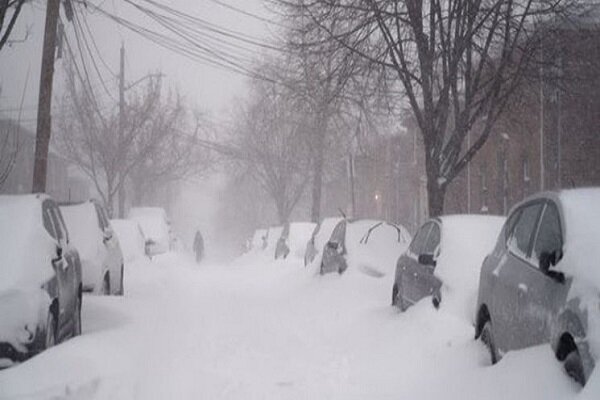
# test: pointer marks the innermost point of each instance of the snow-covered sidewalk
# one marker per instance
(274, 331)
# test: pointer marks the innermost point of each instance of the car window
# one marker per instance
(510, 224)
(60, 230)
(61, 221)
(519, 241)
(48, 220)
(417, 244)
(549, 237)
(433, 240)
(338, 233)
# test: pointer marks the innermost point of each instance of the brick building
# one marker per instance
(549, 138)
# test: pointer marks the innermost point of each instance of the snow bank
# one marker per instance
(465, 242)
(87, 237)
(155, 226)
(131, 239)
(374, 253)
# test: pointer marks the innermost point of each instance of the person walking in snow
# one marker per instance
(198, 246)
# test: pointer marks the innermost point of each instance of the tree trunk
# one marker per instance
(317, 175)
(435, 196)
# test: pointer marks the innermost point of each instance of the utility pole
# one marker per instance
(121, 194)
(44, 121)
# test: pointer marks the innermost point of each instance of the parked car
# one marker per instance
(156, 228)
(541, 283)
(370, 246)
(259, 240)
(444, 260)
(273, 235)
(131, 239)
(40, 278)
(320, 235)
(101, 256)
(293, 239)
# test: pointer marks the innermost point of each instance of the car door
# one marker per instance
(59, 262)
(512, 275)
(410, 285)
(545, 292)
(428, 282)
(73, 275)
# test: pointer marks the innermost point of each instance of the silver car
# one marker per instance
(541, 284)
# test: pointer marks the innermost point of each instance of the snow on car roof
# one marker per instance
(465, 242)
(153, 221)
(84, 231)
(374, 253)
(131, 238)
(581, 211)
(300, 233)
(26, 248)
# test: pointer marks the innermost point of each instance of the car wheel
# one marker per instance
(77, 319)
(574, 367)
(488, 339)
(50, 336)
(106, 286)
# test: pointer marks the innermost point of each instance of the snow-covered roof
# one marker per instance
(465, 242)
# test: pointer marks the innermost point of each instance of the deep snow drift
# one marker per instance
(274, 330)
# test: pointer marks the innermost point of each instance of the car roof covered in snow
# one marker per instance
(465, 242)
(131, 238)
(581, 213)
(154, 222)
(26, 248)
(374, 246)
(84, 229)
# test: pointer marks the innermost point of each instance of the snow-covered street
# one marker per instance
(273, 331)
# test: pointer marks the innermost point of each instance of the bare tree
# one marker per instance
(269, 144)
(89, 136)
(458, 63)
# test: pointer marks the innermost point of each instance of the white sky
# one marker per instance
(207, 88)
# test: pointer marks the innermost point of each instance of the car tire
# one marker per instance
(50, 332)
(488, 340)
(77, 318)
(106, 286)
(574, 367)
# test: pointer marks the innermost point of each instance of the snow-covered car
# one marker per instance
(131, 239)
(40, 278)
(258, 241)
(293, 239)
(443, 261)
(155, 226)
(101, 256)
(369, 246)
(273, 235)
(314, 246)
(541, 283)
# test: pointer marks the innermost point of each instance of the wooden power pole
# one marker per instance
(44, 121)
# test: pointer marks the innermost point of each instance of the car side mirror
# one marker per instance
(550, 259)
(108, 234)
(427, 259)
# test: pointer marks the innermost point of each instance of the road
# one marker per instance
(258, 330)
